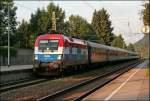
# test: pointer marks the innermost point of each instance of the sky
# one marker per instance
(124, 15)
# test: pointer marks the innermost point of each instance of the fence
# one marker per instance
(23, 57)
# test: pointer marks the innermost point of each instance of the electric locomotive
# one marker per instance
(54, 53)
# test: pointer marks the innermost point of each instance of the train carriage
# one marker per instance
(117, 54)
(98, 52)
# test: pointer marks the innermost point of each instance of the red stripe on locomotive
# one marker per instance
(63, 42)
(49, 37)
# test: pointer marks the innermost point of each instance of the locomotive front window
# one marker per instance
(53, 44)
(46, 45)
(43, 44)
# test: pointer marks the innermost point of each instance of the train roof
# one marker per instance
(62, 38)
(80, 41)
(74, 40)
(92, 44)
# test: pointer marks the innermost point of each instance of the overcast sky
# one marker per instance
(123, 14)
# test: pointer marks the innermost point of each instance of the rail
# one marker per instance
(75, 88)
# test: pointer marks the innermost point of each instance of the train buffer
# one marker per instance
(133, 85)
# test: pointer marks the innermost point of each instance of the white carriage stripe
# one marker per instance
(60, 50)
(74, 51)
(116, 90)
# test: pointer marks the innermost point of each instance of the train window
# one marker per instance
(70, 50)
(53, 44)
(84, 52)
(46, 45)
(78, 51)
(43, 44)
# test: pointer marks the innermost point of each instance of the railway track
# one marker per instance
(79, 91)
(18, 84)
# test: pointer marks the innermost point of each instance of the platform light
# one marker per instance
(7, 3)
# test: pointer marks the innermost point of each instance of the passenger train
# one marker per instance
(54, 53)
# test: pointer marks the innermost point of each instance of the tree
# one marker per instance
(31, 41)
(102, 26)
(130, 47)
(79, 27)
(60, 16)
(41, 21)
(145, 13)
(118, 42)
(142, 46)
(6, 6)
(23, 35)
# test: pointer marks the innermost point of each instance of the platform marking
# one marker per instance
(114, 92)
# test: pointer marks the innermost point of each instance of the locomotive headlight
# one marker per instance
(36, 57)
(59, 57)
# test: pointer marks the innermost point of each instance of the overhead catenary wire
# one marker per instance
(90, 6)
(25, 7)
(86, 2)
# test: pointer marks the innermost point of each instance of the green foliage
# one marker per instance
(4, 51)
(41, 21)
(7, 8)
(102, 25)
(130, 47)
(142, 46)
(146, 14)
(118, 42)
(23, 35)
(79, 27)
(76, 22)
(31, 41)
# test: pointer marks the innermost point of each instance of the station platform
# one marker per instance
(133, 85)
(13, 73)
(15, 68)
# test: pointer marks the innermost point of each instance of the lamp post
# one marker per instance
(8, 61)
(8, 38)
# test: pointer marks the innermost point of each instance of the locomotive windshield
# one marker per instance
(46, 45)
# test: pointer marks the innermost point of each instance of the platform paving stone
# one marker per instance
(137, 87)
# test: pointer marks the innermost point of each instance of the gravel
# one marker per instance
(45, 88)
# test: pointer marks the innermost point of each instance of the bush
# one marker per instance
(4, 51)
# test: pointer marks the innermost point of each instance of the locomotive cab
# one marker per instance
(48, 53)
